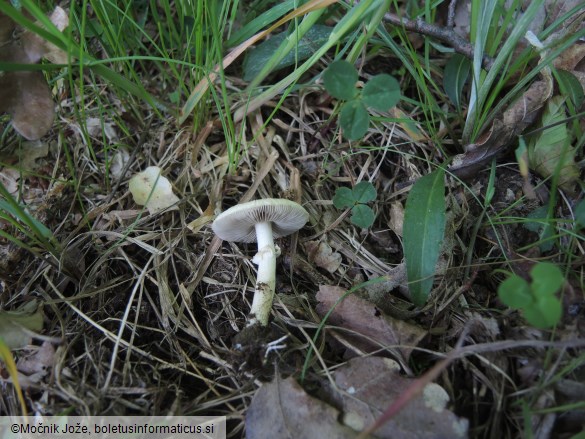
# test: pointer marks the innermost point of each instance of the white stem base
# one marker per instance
(265, 280)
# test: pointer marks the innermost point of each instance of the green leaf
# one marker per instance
(455, 77)
(515, 292)
(339, 80)
(424, 227)
(362, 216)
(16, 326)
(343, 198)
(354, 119)
(364, 192)
(541, 214)
(315, 37)
(551, 152)
(382, 92)
(545, 313)
(262, 21)
(547, 279)
(544, 228)
(570, 86)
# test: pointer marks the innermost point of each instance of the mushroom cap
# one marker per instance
(238, 222)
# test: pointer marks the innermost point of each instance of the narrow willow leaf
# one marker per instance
(424, 227)
(354, 119)
(455, 77)
(315, 37)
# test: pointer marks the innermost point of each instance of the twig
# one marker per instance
(451, 14)
(447, 35)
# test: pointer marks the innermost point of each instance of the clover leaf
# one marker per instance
(363, 192)
(381, 92)
(537, 300)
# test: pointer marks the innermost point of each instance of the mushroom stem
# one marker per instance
(265, 280)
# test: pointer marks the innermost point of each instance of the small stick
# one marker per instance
(448, 36)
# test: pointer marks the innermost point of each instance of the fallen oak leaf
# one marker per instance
(322, 255)
(282, 409)
(30, 103)
(25, 95)
(362, 317)
(366, 385)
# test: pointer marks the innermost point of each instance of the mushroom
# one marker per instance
(261, 221)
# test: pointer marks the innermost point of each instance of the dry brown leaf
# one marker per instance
(522, 113)
(96, 128)
(363, 317)
(570, 58)
(25, 94)
(32, 110)
(409, 126)
(365, 387)
(282, 409)
(9, 178)
(396, 221)
(322, 255)
(36, 47)
(368, 385)
(42, 358)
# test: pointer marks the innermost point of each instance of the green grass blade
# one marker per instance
(289, 44)
(424, 227)
(262, 21)
(477, 114)
(482, 14)
(352, 19)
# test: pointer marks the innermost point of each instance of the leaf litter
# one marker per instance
(185, 293)
(25, 94)
(361, 390)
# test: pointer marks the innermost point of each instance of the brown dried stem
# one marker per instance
(446, 35)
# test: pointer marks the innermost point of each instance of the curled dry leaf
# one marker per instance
(149, 188)
(119, 161)
(396, 221)
(322, 255)
(522, 113)
(97, 128)
(359, 315)
(39, 361)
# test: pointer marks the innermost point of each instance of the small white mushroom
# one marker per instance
(261, 221)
